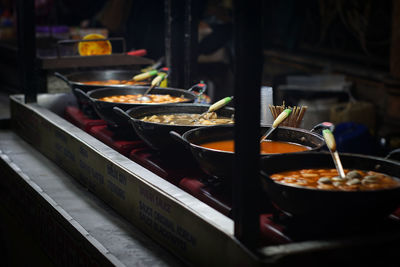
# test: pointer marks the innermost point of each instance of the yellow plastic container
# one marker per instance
(95, 47)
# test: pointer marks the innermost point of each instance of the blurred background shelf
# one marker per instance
(51, 63)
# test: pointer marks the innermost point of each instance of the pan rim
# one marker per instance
(171, 105)
(266, 175)
(316, 135)
(102, 89)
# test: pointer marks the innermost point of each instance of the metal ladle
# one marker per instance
(217, 105)
(331, 144)
(284, 114)
(144, 76)
(155, 82)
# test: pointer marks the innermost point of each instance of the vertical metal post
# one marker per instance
(191, 42)
(27, 49)
(248, 63)
(174, 47)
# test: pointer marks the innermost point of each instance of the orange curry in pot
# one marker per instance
(266, 147)
(135, 99)
(328, 179)
(115, 82)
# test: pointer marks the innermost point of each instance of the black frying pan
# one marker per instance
(156, 135)
(330, 208)
(219, 163)
(78, 79)
(105, 109)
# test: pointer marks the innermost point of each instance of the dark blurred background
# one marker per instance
(340, 58)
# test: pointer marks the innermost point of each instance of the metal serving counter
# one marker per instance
(90, 231)
(185, 225)
(73, 226)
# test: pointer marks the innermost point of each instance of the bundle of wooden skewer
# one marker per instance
(295, 117)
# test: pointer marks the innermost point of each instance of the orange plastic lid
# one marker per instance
(94, 47)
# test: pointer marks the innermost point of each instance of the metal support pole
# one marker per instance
(174, 44)
(248, 63)
(191, 42)
(27, 49)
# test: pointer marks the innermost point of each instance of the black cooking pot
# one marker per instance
(328, 208)
(219, 163)
(156, 135)
(105, 109)
(78, 79)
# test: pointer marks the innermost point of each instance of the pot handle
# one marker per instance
(323, 125)
(393, 152)
(84, 95)
(201, 86)
(62, 77)
(122, 113)
(179, 138)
